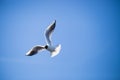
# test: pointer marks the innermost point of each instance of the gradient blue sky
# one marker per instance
(88, 30)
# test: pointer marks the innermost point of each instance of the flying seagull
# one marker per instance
(54, 50)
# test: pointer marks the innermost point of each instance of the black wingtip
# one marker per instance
(54, 23)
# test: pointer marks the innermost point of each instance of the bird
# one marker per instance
(54, 50)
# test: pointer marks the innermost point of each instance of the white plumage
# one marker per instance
(54, 50)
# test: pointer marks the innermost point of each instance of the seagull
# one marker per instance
(54, 50)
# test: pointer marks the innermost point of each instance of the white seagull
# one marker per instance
(54, 50)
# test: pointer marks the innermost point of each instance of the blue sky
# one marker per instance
(88, 30)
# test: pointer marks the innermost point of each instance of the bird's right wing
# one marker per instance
(49, 31)
(35, 50)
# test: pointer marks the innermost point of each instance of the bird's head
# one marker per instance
(46, 46)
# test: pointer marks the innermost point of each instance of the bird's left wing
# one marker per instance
(35, 50)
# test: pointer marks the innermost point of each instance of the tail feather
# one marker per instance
(56, 51)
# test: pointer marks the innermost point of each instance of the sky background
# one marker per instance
(88, 30)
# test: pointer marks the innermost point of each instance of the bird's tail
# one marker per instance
(56, 51)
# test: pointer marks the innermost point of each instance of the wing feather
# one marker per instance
(49, 31)
(34, 50)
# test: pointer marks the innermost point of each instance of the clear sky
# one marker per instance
(88, 30)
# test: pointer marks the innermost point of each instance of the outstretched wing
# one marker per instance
(34, 50)
(49, 31)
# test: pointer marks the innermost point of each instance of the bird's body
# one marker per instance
(54, 50)
(51, 48)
